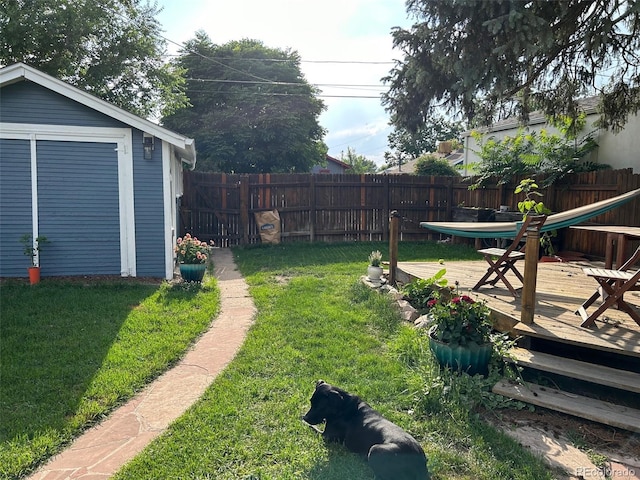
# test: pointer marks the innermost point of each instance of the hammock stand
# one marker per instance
(510, 229)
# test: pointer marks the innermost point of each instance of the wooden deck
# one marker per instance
(560, 290)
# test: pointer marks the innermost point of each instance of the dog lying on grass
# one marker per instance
(392, 453)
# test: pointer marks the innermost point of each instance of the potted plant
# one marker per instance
(32, 250)
(530, 206)
(374, 270)
(460, 333)
(421, 292)
(192, 255)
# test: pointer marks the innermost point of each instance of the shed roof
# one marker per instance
(185, 147)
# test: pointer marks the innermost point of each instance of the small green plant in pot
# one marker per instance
(32, 250)
(374, 270)
(530, 206)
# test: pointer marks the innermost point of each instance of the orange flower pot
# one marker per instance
(34, 275)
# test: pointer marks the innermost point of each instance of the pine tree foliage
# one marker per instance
(493, 59)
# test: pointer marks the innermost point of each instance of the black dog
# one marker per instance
(392, 453)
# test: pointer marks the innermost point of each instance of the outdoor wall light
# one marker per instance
(148, 144)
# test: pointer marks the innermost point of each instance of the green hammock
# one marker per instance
(511, 229)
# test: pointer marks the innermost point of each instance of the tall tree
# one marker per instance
(359, 163)
(251, 108)
(491, 59)
(407, 145)
(110, 48)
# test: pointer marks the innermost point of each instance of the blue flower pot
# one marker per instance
(470, 359)
(192, 272)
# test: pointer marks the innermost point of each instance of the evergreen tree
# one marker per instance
(492, 59)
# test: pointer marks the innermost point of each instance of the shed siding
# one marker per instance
(15, 205)
(26, 102)
(81, 209)
(78, 206)
(149, 205)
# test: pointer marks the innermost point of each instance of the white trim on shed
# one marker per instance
(122, 138)
(185, 147)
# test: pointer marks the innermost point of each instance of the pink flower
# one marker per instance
(432, 303)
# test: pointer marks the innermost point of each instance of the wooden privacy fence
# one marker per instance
(330, 208)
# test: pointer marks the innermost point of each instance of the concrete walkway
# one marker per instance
(102, 450)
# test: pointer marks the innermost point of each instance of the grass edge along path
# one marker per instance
(72, 351)
(316, 320)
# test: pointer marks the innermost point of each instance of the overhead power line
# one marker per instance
(273, 94)
(248, 74)
(281, 60)
(257, 82)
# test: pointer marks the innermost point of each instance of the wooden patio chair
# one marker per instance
(612, 286)
(507, 257)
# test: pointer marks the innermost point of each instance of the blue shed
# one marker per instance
(100, 183)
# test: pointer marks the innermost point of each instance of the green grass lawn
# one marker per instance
(71, 352)
(316, 320)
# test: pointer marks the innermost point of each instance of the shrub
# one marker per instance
(432, 165)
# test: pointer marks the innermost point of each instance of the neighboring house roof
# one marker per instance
(338, 166)
(588, 104)
(340, 163)
(406, 167)
(185, 147)
(453, 158)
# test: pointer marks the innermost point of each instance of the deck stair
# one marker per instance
(570, 403)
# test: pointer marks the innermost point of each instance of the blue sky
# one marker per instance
(331, 37)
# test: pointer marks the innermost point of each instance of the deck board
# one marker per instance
(589, 372)
(608, 413)
(561, 288)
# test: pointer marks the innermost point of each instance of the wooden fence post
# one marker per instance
(244, 208)
(312, 208)
(365, 230)
(530, 276)
(385, 208)
(394, 221)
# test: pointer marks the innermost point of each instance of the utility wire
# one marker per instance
(256, 77)
(280, 60)
(275, 94)
(261, 79)
(256, 82)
